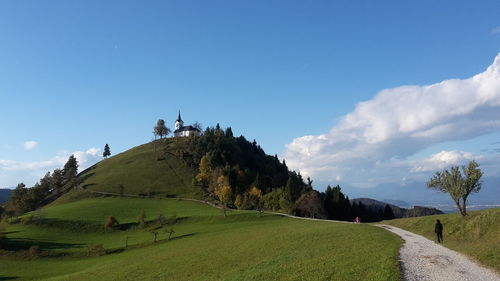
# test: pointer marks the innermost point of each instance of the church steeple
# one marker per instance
(179, 123)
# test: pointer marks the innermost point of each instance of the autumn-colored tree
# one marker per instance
(205, 169)
(223, 190)
(239, 201)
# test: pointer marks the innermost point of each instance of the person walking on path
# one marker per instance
(438, 229)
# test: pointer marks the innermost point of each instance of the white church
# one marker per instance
(184, 131)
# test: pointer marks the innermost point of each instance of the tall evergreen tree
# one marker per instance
(388, 213)
(70, 169)
(107, 151)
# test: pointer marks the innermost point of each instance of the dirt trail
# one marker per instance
(425, 260)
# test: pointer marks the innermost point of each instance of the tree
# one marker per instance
(107, 151)
(70, 169)
(224, 192)
(57, 180)
(310, 205)
(205, 170)
(388, 213)
(160, 129)
(197, 125)
(459, 184)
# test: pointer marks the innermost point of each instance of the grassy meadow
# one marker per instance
(205, 245)
(476, 235)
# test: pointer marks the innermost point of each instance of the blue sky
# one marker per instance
(75, 75)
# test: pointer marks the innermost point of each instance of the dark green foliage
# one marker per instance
(106, 152)
(244, 163)
(49, 188)
(276, 200)
(337, 205)
(70, 169)
(388, 214)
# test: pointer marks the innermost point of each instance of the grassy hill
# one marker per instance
(205, 246)
(150, 168)
(476, 235)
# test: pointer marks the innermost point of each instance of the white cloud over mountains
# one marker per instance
(30, 172)
(371, 145)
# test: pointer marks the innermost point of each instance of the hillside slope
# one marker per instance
(149, 169)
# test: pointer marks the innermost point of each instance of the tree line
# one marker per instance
(46, 190)
(239, 174)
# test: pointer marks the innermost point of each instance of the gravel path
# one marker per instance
(425, 260)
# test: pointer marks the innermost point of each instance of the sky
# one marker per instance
(358, 92)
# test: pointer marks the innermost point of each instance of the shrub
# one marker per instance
(96, 250)
(111, 222)
(141, 220)
(34, 251)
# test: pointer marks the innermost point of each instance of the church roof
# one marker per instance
(179, 117)
(186, 128)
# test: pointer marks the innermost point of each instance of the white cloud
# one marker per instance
(496, 30)
(12, 172)
(442, 160)
(30, 145)
(372, 144)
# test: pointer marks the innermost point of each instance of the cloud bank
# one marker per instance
(373, 144)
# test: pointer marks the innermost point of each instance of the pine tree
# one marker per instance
(70, 169)
(107, 151)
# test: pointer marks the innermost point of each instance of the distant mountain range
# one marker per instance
(417, 193)
(416, 211)
(4, 195)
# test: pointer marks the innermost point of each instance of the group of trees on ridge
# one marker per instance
(46, 190)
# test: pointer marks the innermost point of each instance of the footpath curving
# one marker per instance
(425, 260)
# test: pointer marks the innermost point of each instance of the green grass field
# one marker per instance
(140, 171)
(206, 246)
(476, 235)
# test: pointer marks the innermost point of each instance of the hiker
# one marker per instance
(438, 228)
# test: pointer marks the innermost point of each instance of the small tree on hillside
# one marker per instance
(459, 184)
(107, 151)
(160, 129)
